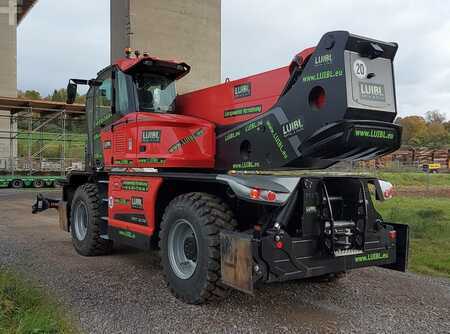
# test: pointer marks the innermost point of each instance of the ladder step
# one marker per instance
(104, 236)
(104, 218)
(103, 181)
(105, 200)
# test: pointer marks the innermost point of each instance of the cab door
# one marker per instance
(115, 121)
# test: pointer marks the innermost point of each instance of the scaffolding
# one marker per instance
(41, 137)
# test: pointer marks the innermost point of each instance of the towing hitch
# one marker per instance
(43, 203)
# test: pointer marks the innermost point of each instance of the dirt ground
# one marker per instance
(125, 292)
(423, 191)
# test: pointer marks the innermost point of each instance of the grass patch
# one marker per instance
(416, 179)
(429, 220)
(25, 310)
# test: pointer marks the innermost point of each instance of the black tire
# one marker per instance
(38, 183)
(86, 199)
(17, 184)
(207, 215)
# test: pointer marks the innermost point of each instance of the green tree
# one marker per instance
(60, 95)
(437, 135)
(29, 94)
(414, 130)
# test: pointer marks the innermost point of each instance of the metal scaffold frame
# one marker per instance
(25, 134)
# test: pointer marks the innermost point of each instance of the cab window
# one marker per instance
(156, 93)
(103, 101)
(123, 83)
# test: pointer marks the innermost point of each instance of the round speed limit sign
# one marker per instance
(360, 69)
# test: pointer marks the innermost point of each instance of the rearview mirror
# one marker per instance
(71, 93)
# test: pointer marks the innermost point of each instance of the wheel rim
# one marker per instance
(80, 221)
(17, 184)
(182, 249)
(38, 183)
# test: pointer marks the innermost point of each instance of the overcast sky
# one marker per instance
(68, 38)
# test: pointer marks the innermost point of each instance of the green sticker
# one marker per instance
(121, 201)
(278, 142)
(374, 133)
(160, 161)
(135, 185)
(323, 75)
(127, 234)
(186, 140)
(103, 119)
(122, 162)
(253, 125)
(242, 111)
(372, 257)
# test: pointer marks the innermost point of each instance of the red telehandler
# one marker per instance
(194, 175)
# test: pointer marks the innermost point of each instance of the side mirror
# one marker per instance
(71, 93)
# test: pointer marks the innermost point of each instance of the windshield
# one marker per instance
(155, 93)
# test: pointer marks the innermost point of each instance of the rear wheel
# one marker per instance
(85, 222)
(190, 246)
(16, 184)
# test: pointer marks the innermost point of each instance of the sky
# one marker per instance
(70, 38)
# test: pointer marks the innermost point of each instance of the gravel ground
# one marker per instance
(125, 293)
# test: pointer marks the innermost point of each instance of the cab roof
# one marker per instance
(170, 68)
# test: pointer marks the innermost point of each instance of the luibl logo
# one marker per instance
(369, 91)
(291, 128)
(323, 59)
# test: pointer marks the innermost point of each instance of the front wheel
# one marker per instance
(85, 222)
(190, 246)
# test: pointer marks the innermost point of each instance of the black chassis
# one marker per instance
(327, 225)
(296, 238)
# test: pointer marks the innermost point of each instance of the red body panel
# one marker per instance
(212, 103)
(124, 193)
(159, 140)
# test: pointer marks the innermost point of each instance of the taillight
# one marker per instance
(255, 193)
(271, 196)
(392, 235)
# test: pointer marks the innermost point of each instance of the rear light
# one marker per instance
(271, 196)
(279, 244)
(392, 235)
(255, 193)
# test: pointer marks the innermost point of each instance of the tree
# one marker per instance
(437, 135)
(60, 95)
(434, 116)
(29, 94)
(414, 130)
